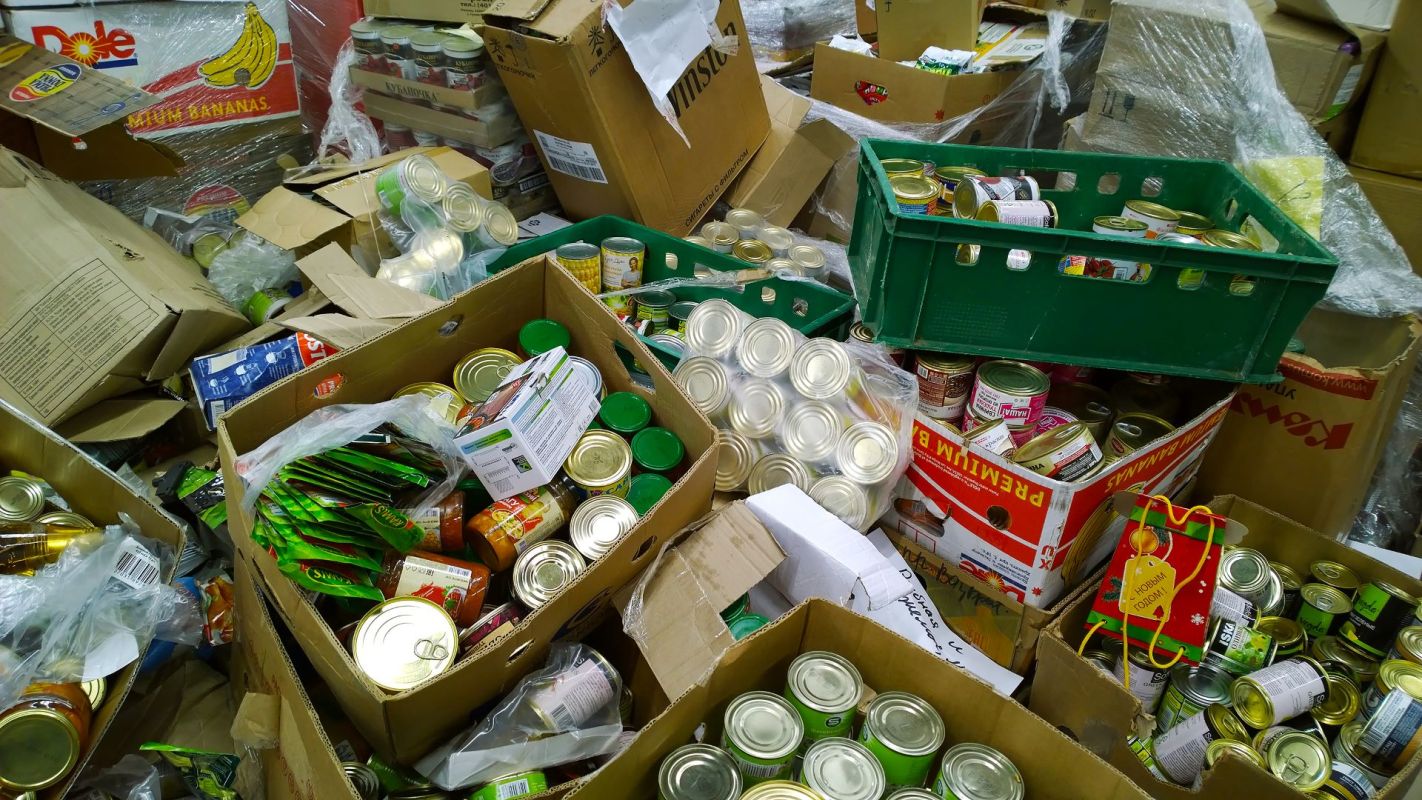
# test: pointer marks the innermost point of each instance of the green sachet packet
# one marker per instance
(336, 580)
(398, 530)
(379, 467)
(209, 776)
(294, 546)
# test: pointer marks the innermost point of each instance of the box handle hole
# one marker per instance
(644, 549)
(1110, 183)
(1019, 260)
(800, 306)
(519, 651)
(451, 325)
(329, 385)
(1152, 186)
(968, 254)
(767, 296)
(1241, 285)
(999, 518)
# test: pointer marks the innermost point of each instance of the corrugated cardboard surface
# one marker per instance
(1398, 201)
(1390, 135)
(1053, 767)
(1313, 59)
(907, 27)
(911, 95)
(1072, 693)
(403, 726)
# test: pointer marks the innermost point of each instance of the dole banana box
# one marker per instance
(215, 64)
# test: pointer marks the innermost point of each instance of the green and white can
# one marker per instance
(825, 689)
(843, 769)
(1191, 691)
(904, 732)
(978, 772)
(508, 787)
(417, 176)
(762, 732)
(1238, 649)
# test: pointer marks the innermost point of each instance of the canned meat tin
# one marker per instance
(904, 732)
(894, 167)
(403, 642)
(597, 524)
(915, 194)
(1191, 691)
(478, 374)
(778, 239)
(1147, 683)
(824, 688)
(973, 771)
(973, 191)
(1090, 405)
(821, 369)
(811, 431)
(1379, 612)
(705, 381)
(1157, 218)
(1323, 609)
(698, 772)
(714, 327)
(1065, 453)
(1238, 649)
(737, 458)
(842, 769)
(1010, 390)
(1393, 675)
(1300, 760)
(756, 408)
(993, 435)
(843, 498)
(1228, 605)
(1180, 751)
(1336, 575)
(868, 452)
(762, 733)
(600, 463)
(1279, 692)
(943, 384)
(809, 258)
(544, 570)
(778, 469)
(766, 348)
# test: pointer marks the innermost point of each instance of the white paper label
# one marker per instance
(136, 567)
(1346, 88)
(571, 158)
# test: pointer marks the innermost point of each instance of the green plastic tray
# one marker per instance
(914, 292)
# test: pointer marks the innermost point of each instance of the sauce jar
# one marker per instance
(42, 736)
(457, 586)
(510, 526)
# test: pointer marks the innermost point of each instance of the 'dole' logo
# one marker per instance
(1314, 432)
(104, 48)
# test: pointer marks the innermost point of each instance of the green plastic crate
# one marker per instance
(914, 292)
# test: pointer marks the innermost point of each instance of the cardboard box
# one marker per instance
(792, 163)
(1390, 135)
(161, 46)
(887, 91)
(491, 132)
(404, 726)
(1072, 693)
(603, 143)
(971, 711)
(461, 11)
(1323, 64)
(95, 304)
(907, 27)
(1082, 9)
(1030, 536)
(1338, 133)
(1307, 446)
(429, 94)
(97, 494)
(1398, 202)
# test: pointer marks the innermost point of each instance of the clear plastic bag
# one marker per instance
(781, 31)
(565, 712)
(250, 265)
(1393, 508)
(132, 778)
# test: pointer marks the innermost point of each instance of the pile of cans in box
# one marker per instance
(801, 745)
(747, 236)
(1316, 678)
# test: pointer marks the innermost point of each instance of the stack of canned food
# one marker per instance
(36, 524)
(416, 51)
(747, 236)
(797, 411)
(1290, 664)
(618, 265)
(339, 523)
(800, 744)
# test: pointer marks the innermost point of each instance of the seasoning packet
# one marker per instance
(331, 579)
(209, 776)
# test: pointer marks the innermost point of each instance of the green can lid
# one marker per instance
(657, 449)
(541, 335)
(625, 413)
(737, 609)
(645, 490)
(745, 625)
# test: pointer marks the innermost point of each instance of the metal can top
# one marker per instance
(459, 44)
(820, 369)
(1287, 575)
(1153, 210)
(1051, 441)
(577, 251)
(1225, 723)
(420, 177)
(67, 519)
(463, 209)
(1217, 749)
(366, 29)
(1228, 239)
(1326, 598)
(1252, 701)
(682, 309)
(905, 724)
(781, 790)
(776, 238)
(1014, 378)
(714, 327)
(657, 449)
(1400, 674)
(598, 522)
(538, 336)
(670, 341)
(843, 769)
(698, 772)
(1203, 685)
(982, 773)
(859, 333)
(824, 681)
(478, 374)
(1284, 630)
(901, 166)
(720, 233)
(599, 459)
(1122, 224)
(775, 470)
(427, 40)
(622, 245)
(868, 452)
(1245, 571)
(811, 431)
(646, 490)
(49, 743)
(444, 400)
(500, 224)
(948, 172)
(1139, 429)
(843, 498)
(1337, 649)
(1335, 575)
(543, 570)
(1193, 224)
(744, 219)
(944, 362)
(589, 372)
(697, 239)
(913, 187)
(912, 793)
(763, 725)
(657, 299)
(1395, 591)
(96, 690)
(1299, 759)
(21, 499)
(756, 408)
(1409, 642)
(363, 779)
(625, 412)
(752, 251)
(404, 642)
(1342, 701)
(1272, 603)
(397, 33)
(809, 257)
(766, 347)
(737, 458)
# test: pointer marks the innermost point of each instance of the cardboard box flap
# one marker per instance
(338, 330)
(786, 108)
(195, 331)
(322, 174)
(340, 278)
(1344, 344)
(311, 301)
(526, 10)
(107, 153)
(61, 94)
(290, 220)
(119, 419)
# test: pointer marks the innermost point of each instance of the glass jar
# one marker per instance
(510, 526)
(457, 586)
(42, 736)
(27, 546)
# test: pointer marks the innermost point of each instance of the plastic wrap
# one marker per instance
(132, 778)
(565, 712)
(251, 266)
(781, 31)
(1392, 510)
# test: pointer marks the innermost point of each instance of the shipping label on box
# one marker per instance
(213, 63)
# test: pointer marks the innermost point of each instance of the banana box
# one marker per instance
(215, 64)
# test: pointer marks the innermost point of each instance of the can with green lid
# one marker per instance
(657, 450)
(625, 413)
(736, 610)
(746, 624)
(904, 732)
(539, 336)
(646, 489)
(824, 688)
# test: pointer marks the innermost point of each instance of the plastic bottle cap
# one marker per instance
(646, 490)
(541, 335)
(625, 413)
(657, 449)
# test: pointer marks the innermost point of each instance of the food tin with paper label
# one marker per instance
(1347, 749)
(1393, 675)
(1191, 691)
(824, 689)
(1031, 213)
(1157, 218)
(1237, 649)
(1379, 612)
(1322, 609)
(1288, 635)
(842, 769)
(1347, 782)
(1299, 760)
(577, 694)
(762, 733)
(904, 732)
(781, 790)
(1226, 604)
(1180, 751)
(944, 382)
(1010, 390)
(1336, 575)
(403, 642)
(1340, 706)
(1147, 682)
(543, 571)
(973, 191)
(511, 787)
(973, 771)
(698, 772)
(1279, 692)
(1065, 453)
(992, 435)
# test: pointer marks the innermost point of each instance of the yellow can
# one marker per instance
(584, 261)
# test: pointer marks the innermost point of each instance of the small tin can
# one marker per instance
(1347, 749)
(1103, 659)
(600, 463)
(843, 498)
(1124, 227)
(1336, 575)
(510, 787)
(778, 469)
(1237, 649)
(679, 313)
(824, 688)
(1180, 751)
(948, 178)
(721, 236)
(597, 523)
(1397, 674)
(1011, 390)
(622, 261)
(1191, 691)
(1288, 634)
(705, 381)
(766, 348)
(1065, 453)
(698, 772)
(756, 408)
(762, 734)
(868, 452)
(544, 570)
(584, 261)
(1340, 706)
(1053, 417)
(1219, 748)
(778, 239)
(402, 642)
(714, 328)
(1408, 644)
(444, 401)
(1029, 213)
(97, 690)
(902, 166)
(365, 41)
(821, 369)
(1278, 692)
(781, 790)
(809, 258)
(1143, 748)
(737, 457)
(971, 771)
(588, 373)
(363, 779)
(415, 177)
(1147, 682)
(1088, 404)
(1192, 224)
(944, 382)
(1323, 609)
(399, 55)
(992, 435)
(576, 694)
(1292, 583)
(427, 57)
(1379, 612)
(811, 431)
(1347, 782)
(478, 374)
(1138, 393)
(1299, 760)
(1157, 218)
(842, 769)
(752, 251)
(973, 191)
(746, 222)
(1228, 605)
(464, 63)
(487, 625)
(1331, 650)
(654, 307)
(21, 499)
(904, 732)
(1131, 432)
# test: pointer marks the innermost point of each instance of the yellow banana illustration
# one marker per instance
(250, 61)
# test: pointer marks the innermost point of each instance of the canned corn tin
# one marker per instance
(746, 222)
(944, 382)
(762, 733)
(1065, 453)
(756, 408)
(478, 374)
(766, 347)
(1397, 674)
(600, 463)
(721, 235)
(824, 688)
(1157, 218)
(1279, 692)
(1336, 575)
(509, 787)
(698, 772)
(948, 178)
(21, 499)
(868, 452)
(1347, 749)
(705, 381)
(821, 369)
(737, 457)
(543, 571)
(811, 431)
(1237, 649)
(1288, 634)
(1147, 682)
(752, 251)
(1299, 760)
(1090, 405)
(778, 469)
(1029, 213)
(842, 769)
(597, 524)
(584, 261)
(1131, 432)
(1191, 691)
(973, 191)
(714, 327)
(904, 732)
(1408, 645)
(1379, 612)
(1180, 751)
(843, 498)
(1323, 609)
(1340, 706)
(1228, 605)
(1010, 390)
(973, 771)
(781, 790)
(403, 642)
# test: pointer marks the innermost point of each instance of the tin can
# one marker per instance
(598, 523)
(1379, 612)
(600, 463)
(778, 239)
(1157, 218)
(1226, 604)
(1029, 213)
(416, 176)
(948, 178)
(1394, 731)
(1103, 659)
(1347, 782)
(1090, 405)
(399, 55)
(904, 732)
(705, 381)
(678, 315)
(944, 382)
(737, 457)
(1065, 453)
(365, 41)
(1219, 748)
(775, 470)
(1053, 417)
(1279, 692)
(752, 251)
(824, 688)
(821, 369)
(625, 413)
(842, 769)
(1192, 224)
(1011, 390)
(464, 63)
(509, 787)
(1408, 645)
(812, 431)
(843, 498)
(868, 452)
(538, 336)
(698, 772)
(1147, 682)
(1142, 749)
(992, 435)
(914, 194)
(427, 57)
(1180, 751)
(1292, 584)
(21, 499)
(762, 733)
(714, 328)
(1191, 691)
(970, 771)
(756, 408)
(810, 258)
(576, 694)
(766, 348)
(746, 222)
(1131, 432)
(584, 261)
(1237, 649)
(1124, 227)
(363, 779)
(1299, 760)
(1342, 704)
(492, 621)
(1397, 674)
(543, 570)
(781, 790)
(902, 166)
(1331, 650)
(587, 372)
(721, 235)
(973, 191)
(1347, 749)
(1135, 395)
(1288, 634)
(1323, 609)
(654, 307)
(403, 642)
(397, 137)
(860, 333)
(1336, 575)
(646, 491)
(622, 261)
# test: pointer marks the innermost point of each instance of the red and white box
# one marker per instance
(215, 63)
(1018, 531)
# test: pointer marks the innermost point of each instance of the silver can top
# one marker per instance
(775, 470)
(982, 773)
(698, 772)
(704, 380)
(714, 327)
(598, 523)
(737, 458)
(905, 723)
(543, 571)
(843, 498)
(825, 682)
(868, 452)
(766, 347)
(811, 431)
(821, 369)
(763, 725)
(843, 769)
(1246, 572)
(756, 408)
